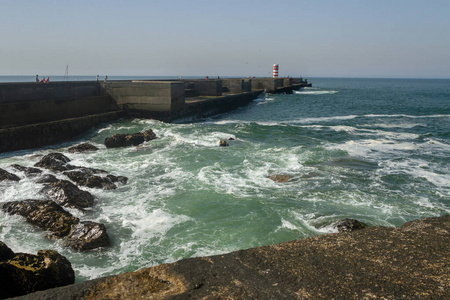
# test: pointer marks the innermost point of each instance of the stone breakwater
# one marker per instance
(409, 262)
(34, 115)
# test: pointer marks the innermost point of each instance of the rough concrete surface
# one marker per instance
(409, 262)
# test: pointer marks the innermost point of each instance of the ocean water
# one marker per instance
(377, 150)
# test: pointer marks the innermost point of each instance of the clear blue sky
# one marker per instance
(352, 38)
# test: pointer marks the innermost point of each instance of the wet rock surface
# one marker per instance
(89, 180)
(22, 273)
(127, 140)
(349, 225)
(88, 235)
(29, 171)
(121, 179)
(65, 193)
(409, 262)
(280, 177)
(7, 176)
(48, 215)
(5, 252)
(47, 178)
(149, 135)
(124, 140)
(84, 147)
(223, 143)
(44, 214)
(55, 162)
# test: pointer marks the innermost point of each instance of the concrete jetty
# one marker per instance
(36, 114)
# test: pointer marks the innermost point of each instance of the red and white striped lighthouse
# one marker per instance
(275, 71)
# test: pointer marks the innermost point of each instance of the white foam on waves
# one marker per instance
(312, 91)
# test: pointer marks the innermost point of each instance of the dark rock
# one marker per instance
(149, 135)
(91, 171)
(5, 252)
(26, 273)
(231, 138)
(49, 216)
(349, 225)
(55, 156)
(223, 143)
(121, 179)
(82, 148)
(67, 194)
(88, 235)
(56, 162)
(29, 171)
(92, 181)
(280, 177)
(410, 262)
(124, 140)
(5, 175)
(47, 178)
(44, 214)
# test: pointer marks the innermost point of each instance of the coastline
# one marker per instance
(410, 261)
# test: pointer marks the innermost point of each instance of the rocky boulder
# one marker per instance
(88, 235)
(47, 178)
(5, 252)
(27, 273)
(280, 177)
(84, 147)
(55, 162)
(49, 216)
(149, 135)
(29, 171)
(65, 193)
(347, 225)
(121, 179)
(86, 179)
(44, 214)
(124, 140)
(223, 143)
(5, 175)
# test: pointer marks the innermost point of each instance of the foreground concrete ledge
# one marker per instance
(409, 262)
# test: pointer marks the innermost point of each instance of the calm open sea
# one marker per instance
(377, 150)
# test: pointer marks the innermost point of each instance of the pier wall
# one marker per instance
(234, 85)
(156, 96)
(48, 133)
(202, 87)
(219, 105)
(28, 103)
(38, 114)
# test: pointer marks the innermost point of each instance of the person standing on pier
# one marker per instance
(37, 78)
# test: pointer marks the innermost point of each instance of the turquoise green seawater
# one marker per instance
(377, 150)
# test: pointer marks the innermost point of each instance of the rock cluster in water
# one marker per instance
(22, 273)
(49, 215)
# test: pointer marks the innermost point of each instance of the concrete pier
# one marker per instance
(45, 106)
